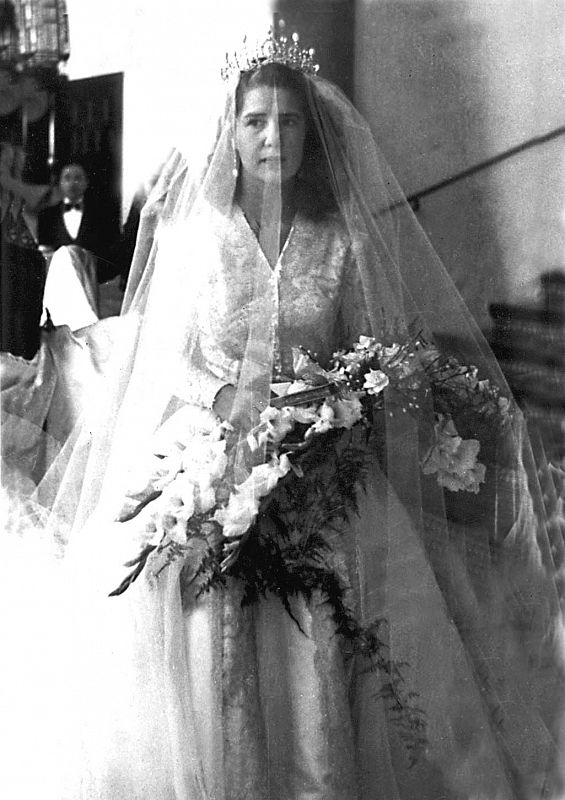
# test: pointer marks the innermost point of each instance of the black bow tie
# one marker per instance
(68, 206)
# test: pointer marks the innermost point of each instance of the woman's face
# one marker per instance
(270, 131)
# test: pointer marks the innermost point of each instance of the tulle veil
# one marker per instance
(466, 583)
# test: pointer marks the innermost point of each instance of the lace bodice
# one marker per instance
(311, 298)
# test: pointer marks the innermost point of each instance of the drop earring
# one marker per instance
(235, 170)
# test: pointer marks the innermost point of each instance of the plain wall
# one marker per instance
(446, 84)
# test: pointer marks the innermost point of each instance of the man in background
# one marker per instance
(82, 220)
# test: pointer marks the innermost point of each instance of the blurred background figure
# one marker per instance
(22, 264)
(81, 219)
(80, 234)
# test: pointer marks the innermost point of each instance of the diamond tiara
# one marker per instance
(276, 49)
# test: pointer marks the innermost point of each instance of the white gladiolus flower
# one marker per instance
(454, 459)
(347, 412)
(304, 414)
(375, 381)
(238, 515)
(205, 500)
(386, 354)
(205, 456)
(243, 504)
(324, 422)
(278, 421)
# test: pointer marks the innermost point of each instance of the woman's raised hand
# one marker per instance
(245, 418)
(223, 402)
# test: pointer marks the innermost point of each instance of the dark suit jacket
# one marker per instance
(98, 233)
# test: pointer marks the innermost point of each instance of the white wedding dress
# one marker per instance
(152, 696)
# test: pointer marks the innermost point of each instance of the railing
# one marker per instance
(414, 199)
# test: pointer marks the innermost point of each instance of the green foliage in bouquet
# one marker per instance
(290, 550)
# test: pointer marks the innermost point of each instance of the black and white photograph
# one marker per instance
(282, 384)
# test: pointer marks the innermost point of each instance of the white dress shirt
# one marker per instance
(64, 295)
(72, 219)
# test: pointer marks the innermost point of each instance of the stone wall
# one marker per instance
(446, 84)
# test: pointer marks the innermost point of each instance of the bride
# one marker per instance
(285, 233)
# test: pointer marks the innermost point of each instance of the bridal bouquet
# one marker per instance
(274, 527)
(189, 504)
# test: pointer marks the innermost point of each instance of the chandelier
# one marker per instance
(33, 34)
(34, 45)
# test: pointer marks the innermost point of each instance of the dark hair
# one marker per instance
(316, 196)
(72, 163)
(274, 75)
